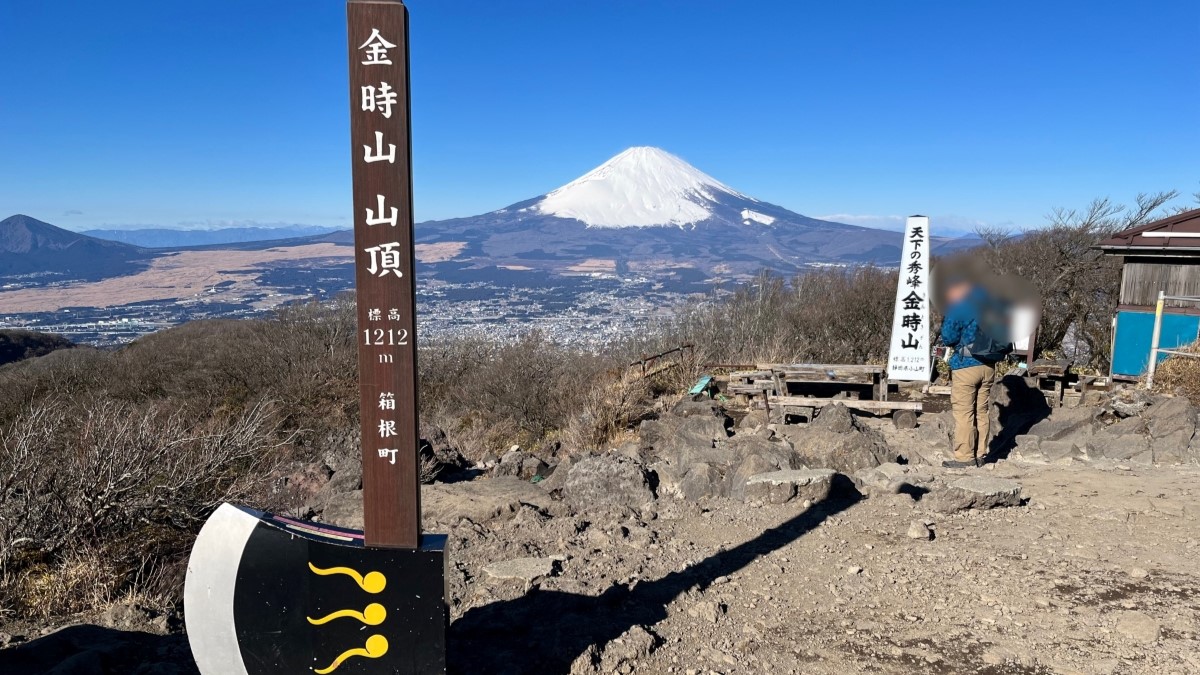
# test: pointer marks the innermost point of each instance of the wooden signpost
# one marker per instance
(269, 594)
(909, 357)
(380, 142)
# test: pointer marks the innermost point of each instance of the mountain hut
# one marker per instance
(1162, 256)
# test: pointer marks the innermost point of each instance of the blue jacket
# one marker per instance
(959, 327)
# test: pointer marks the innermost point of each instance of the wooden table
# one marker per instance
(774, 378)
(1053, 380)
(770, 383)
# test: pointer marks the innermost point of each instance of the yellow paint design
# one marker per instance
(376, 646)
(372, 615)
(373, 582)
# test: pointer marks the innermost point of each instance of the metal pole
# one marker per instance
(1154, 337)
(1112, 346)
(380, 142)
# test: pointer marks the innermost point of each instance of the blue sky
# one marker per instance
(235, 111)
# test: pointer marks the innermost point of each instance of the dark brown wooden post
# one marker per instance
(383, 237)
(1031, 352)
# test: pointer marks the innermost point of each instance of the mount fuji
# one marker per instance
(648, 187)
(646, 211)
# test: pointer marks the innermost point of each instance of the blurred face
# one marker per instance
(957, 291)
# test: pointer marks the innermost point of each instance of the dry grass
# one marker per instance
(592, 265)
(1180, 375)
(439, 252)
(86, 578)
(474, 435)
(182, 275)
(652, 264)
(609, 413)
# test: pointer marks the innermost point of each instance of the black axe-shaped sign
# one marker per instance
(268, 594)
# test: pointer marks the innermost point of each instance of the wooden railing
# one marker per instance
(646, 361)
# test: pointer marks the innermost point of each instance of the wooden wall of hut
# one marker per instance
(1142, 279)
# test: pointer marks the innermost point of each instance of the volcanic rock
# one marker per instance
(779, 487)
(978, 492)
(838, 443)
(523, 569)
(480, 500)
(702, 481)
(608, 480)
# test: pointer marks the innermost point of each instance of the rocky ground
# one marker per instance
(720, 542)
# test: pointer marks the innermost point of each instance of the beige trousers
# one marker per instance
(971, 403)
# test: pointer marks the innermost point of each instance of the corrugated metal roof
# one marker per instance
(1177, 233)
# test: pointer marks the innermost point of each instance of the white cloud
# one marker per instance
(211, 224)
(220, 224)
(225, 223)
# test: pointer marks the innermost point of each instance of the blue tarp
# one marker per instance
(1131, 344)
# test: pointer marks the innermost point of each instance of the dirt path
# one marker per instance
(1096, 574)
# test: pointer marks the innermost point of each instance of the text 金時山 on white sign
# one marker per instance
(909, 356)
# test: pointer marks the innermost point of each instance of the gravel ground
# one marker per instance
(1095, 574)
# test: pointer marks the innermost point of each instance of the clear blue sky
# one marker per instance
(215, 111)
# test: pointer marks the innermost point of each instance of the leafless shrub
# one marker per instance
(318, 355)
(472, 434)
(429, 470)
(488, 395)
(1078, 284)
(825, 315)
(25, 383)
(670, 366)
(108, 475)
(608, 410)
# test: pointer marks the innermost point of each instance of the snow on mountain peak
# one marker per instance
(641, 187)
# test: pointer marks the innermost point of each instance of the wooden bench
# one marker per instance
(769, 383)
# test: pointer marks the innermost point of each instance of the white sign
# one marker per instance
(1024, 321)
(909, 356)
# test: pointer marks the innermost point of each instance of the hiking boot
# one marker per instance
(958, 464)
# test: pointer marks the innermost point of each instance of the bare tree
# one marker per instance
(823, 315)
(1078, 284)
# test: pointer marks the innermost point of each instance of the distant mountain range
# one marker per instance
(644, 213)
(161, 237)
(29, 246)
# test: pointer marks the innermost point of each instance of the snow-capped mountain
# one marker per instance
(647, 187)
(647, 210)
(640, 187)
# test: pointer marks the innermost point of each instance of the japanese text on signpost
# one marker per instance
(909, 356)
(380, 150)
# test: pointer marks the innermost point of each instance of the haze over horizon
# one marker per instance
(237, 116)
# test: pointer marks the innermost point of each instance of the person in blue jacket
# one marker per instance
(970, 378)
